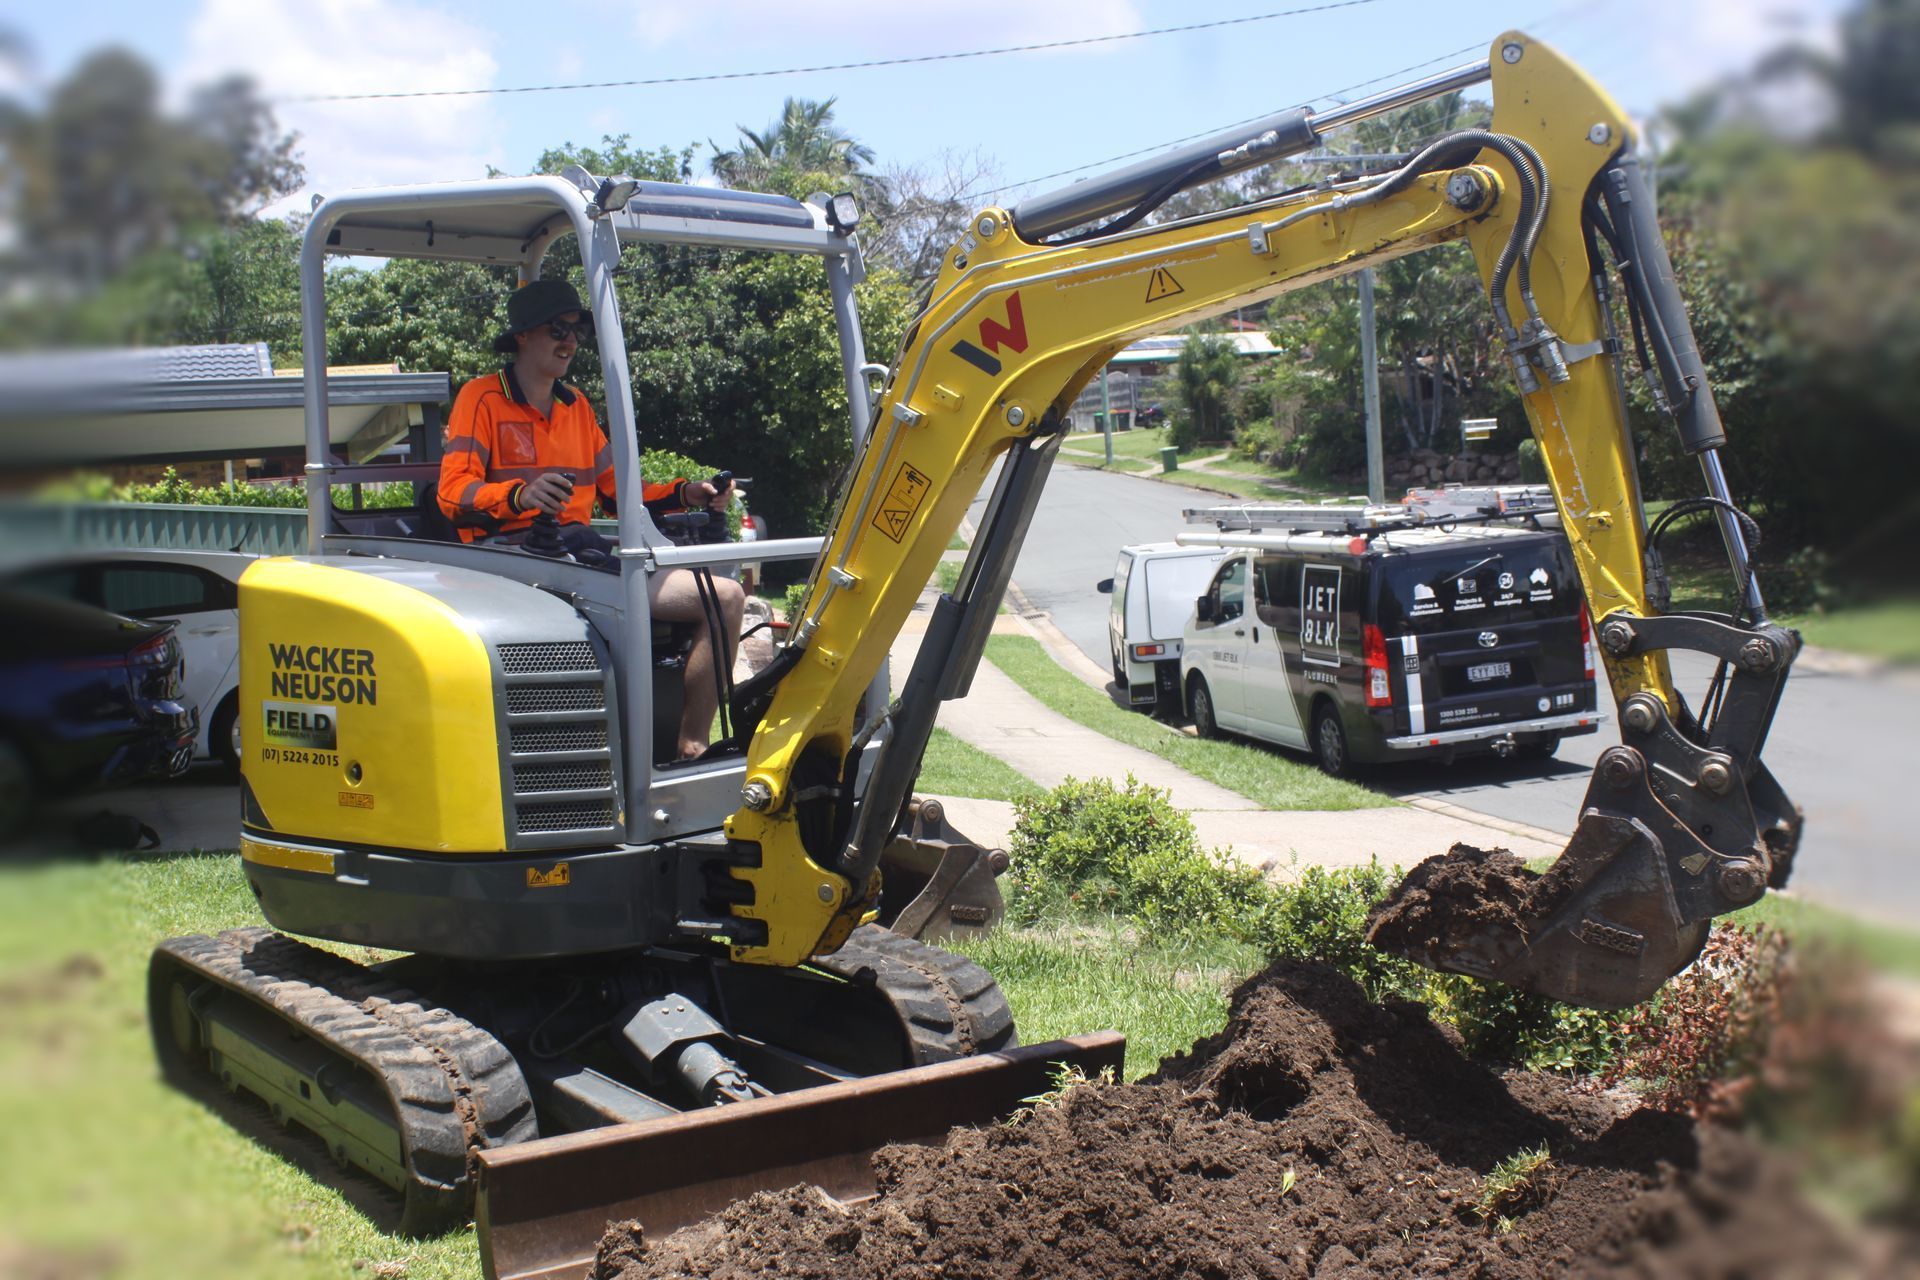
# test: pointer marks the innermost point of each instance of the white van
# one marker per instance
(1366, 646)
(1153, 588)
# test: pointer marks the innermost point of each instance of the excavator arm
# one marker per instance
(1682, 821)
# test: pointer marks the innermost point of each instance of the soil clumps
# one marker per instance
(1318, 1135)
(1464, 893)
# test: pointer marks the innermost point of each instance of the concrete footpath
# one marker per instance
(1003, 720)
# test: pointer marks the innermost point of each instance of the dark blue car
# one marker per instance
(87, 699)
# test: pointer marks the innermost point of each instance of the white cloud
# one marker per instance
(1707, 40)
(926, 26)
(297, 47)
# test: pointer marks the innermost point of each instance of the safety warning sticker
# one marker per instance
(562, 874)
(1161, 284)
(901, 501)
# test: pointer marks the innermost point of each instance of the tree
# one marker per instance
(1206, 379)
(1440, 359)
(922, 211)
(102, 175)
(1800, 263)
(801, 152)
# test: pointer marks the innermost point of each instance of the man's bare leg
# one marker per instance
(676, 598)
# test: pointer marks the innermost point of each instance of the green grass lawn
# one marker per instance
(951, 767)
(1066, 979)
(110, 1172)
(1140, 444)
(1265, 776)
(1887, 628)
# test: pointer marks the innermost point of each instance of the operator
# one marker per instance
(522, 442)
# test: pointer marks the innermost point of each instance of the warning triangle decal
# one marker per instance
(1162, 285)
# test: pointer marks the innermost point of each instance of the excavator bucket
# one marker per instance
(1600, 928)
(544, 1205)
(935, 882)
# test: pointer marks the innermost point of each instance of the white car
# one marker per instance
(199, 590)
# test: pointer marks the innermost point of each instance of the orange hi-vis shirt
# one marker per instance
(497, 441)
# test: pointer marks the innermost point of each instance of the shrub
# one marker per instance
(1690, 1046)
(1533, 466)
(1323, 915)
(1804, 583)
(796, 600)
(1097, 847)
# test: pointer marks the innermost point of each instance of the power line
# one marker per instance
(1162, 146)
(1555, 18)
(834, 66)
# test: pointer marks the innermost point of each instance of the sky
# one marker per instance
(1005, 121)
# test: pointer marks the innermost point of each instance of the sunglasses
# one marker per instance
(561, 330)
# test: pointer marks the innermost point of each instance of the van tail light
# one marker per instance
(1586, 639)
(1373, 647)
(1142, 652)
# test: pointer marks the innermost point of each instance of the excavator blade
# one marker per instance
(543, 1205)
(1602, 927)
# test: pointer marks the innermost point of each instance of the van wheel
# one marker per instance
(1539, 749)
(223, 735)
(1200, 707)
(1330, 742)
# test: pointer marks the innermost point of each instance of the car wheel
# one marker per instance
(1539, 749)
(223, 735)
(16, 788)
(1200, 707)
(1330, 742)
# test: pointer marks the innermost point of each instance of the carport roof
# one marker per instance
(177, 404)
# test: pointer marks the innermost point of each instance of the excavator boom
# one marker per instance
(1682, 821)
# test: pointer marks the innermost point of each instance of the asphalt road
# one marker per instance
(1845, 743)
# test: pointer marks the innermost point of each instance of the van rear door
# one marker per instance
(1482, 632)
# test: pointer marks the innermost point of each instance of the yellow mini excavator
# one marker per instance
(632, 987)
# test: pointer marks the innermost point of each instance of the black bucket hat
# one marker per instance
(533, 305)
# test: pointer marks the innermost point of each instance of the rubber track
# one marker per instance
(949, 1006)
(453, 1087)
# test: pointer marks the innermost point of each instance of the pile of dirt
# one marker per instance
(1317, 1135)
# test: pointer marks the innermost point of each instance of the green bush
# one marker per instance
(1533, 466)
(657, 466)
(1804, 583)
(796, 600)
(1092, 846)
(1322, 916)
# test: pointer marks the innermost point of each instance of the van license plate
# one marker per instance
(1489, 671)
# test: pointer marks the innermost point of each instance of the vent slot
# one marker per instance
(531, 699)
(564, 817)
(582, 736)
(532, 659)
(562, 777)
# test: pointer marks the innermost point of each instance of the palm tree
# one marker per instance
(1205, 380)
(801, 148)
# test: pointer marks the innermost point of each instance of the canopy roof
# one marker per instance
(178, 404)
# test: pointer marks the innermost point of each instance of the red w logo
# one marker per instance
(1013, 332)
(994, 335)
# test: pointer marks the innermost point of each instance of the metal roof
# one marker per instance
(172, 404)
(1165, 348)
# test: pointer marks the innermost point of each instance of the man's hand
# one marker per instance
(547, 492)
(700, 493)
